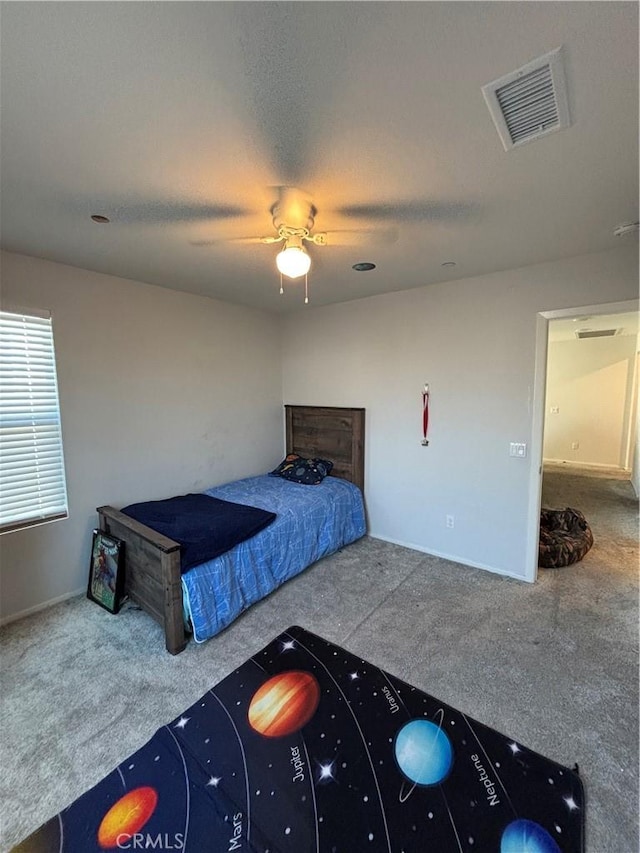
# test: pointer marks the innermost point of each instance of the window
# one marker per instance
(32, 482)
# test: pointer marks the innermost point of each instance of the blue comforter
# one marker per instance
(311, 522)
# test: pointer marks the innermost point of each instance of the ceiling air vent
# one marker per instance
(530, 102)
(596, 333)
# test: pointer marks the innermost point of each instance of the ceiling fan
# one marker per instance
(293, 217)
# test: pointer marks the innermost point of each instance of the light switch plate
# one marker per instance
(518, 449)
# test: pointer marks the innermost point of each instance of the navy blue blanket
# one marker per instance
(205, 527)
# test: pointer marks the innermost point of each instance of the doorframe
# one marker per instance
(538, 411)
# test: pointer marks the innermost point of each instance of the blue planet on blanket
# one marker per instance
(525, 836)
(423, 752)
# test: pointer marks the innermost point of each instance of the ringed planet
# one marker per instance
(284, 704)
(126, 817)
(423, 752)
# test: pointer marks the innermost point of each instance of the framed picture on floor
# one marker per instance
(106, 571)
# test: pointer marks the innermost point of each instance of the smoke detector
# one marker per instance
(530, 102)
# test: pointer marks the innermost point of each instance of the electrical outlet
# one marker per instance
(575, 445)
(450, 521)
(518, 448)
(555, 410)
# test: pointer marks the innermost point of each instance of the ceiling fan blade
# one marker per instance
(166, 211)
(410, 211)
(356, 237)
(242, 240)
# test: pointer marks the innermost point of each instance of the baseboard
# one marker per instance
(595, 466)
(452, 557)
(30, 610)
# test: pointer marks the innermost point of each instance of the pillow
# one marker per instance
(287, 462)
(307, 472)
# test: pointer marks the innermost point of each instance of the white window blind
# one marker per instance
(32, 481)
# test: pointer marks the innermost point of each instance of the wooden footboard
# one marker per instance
(152, 573)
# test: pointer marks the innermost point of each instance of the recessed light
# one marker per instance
(98, 218)
(364, 266)
(448, 264)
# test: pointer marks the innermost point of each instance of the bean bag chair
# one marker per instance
(565, 537)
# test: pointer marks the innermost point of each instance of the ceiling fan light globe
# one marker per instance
(293, 262)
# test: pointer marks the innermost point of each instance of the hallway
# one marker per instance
(611, 508)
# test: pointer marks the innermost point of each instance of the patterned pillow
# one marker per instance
(307, 472)
(286, 463)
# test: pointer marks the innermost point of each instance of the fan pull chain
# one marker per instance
(281, 287)
(306, 289)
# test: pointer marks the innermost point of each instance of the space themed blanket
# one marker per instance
(306, 747)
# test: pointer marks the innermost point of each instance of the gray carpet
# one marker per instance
(553, 665)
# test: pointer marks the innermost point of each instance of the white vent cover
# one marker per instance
(530, 102)
(596, 333)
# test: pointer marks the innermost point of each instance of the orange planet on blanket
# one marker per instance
(284, 703)
(126, 817)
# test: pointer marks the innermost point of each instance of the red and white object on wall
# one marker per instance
(425, 415)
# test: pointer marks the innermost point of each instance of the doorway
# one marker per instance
(541, 405)
(590, 399)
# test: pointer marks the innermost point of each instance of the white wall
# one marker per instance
(591, 383)
(161, 393)
(635, 470)
(473, 341)
(635, 432)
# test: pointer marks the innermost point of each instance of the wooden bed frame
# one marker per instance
(152, 561)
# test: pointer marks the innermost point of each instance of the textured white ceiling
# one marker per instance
(177, 120)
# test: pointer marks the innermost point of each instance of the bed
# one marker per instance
(211, 595)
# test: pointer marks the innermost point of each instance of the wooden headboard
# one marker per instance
(329, 432)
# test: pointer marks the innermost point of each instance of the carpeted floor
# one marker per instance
(554, 665)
